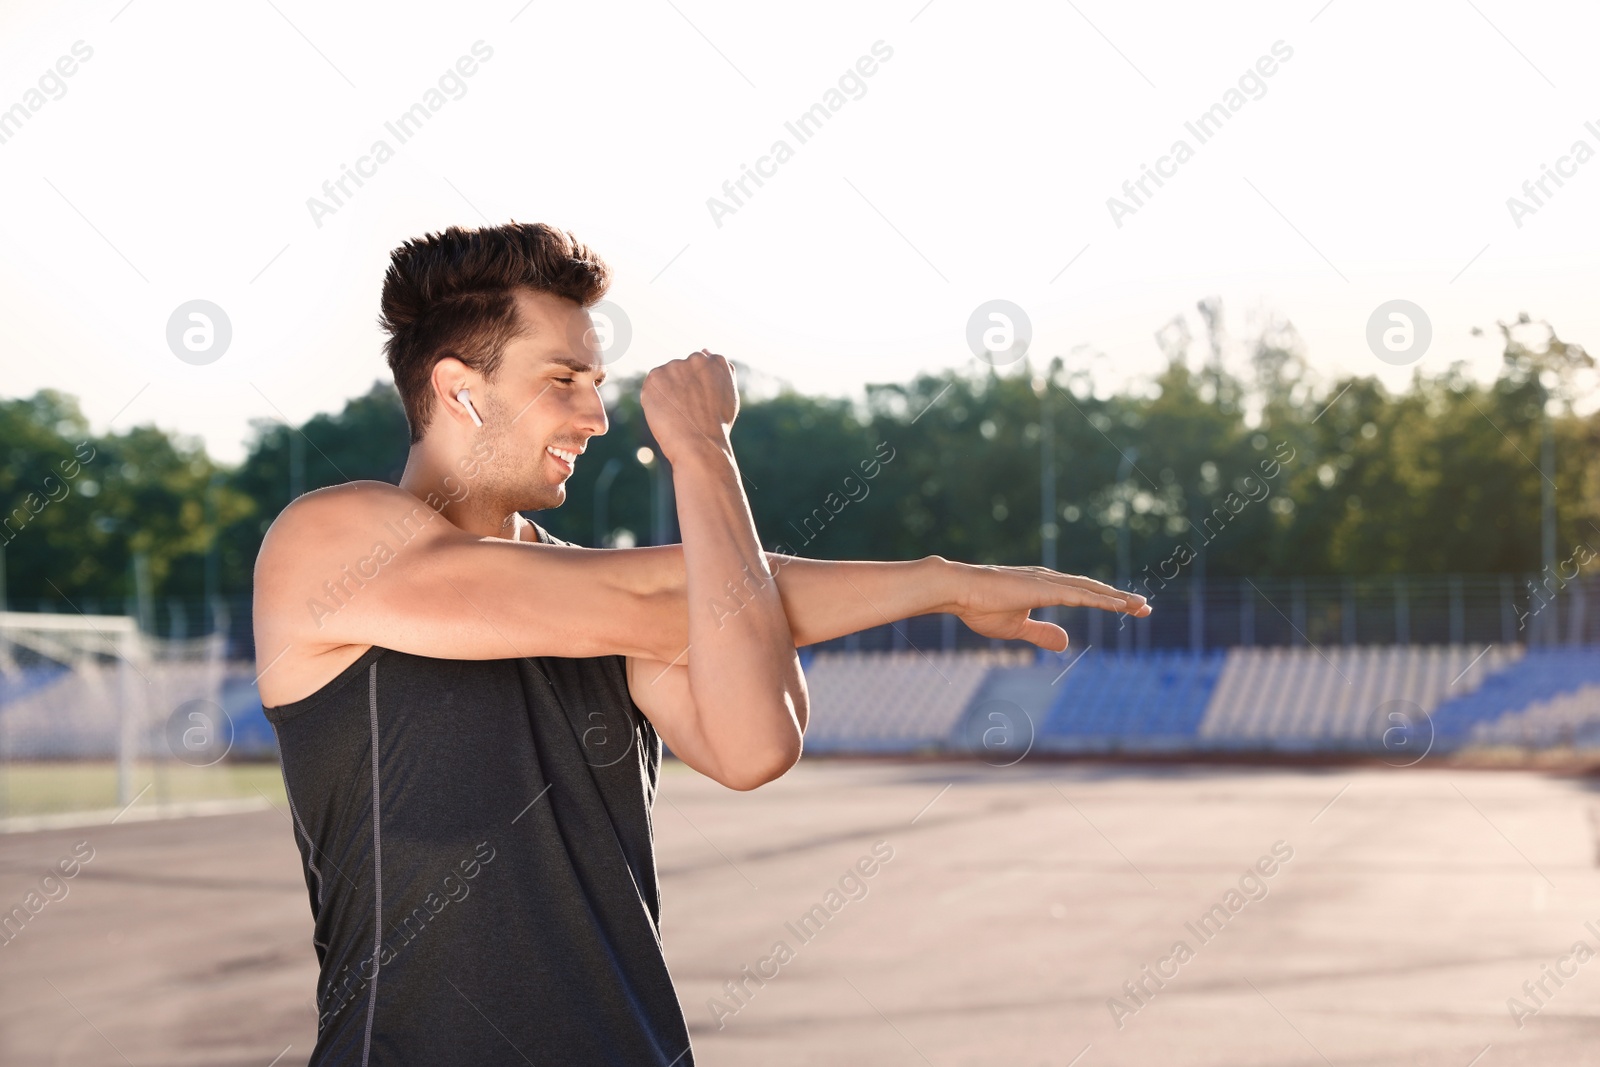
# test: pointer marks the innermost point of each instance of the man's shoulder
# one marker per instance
(325, 514)
(340, 524)
(361, 493)
(317, 555)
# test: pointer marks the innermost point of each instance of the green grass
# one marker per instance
(47, 787)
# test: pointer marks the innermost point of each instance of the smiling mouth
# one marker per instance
(565, 458)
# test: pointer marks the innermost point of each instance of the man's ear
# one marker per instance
(448, 378)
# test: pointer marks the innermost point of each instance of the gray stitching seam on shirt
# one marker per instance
(377, 868)
(311, 848)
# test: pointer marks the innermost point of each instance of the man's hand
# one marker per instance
(995, 601)
(690, 402)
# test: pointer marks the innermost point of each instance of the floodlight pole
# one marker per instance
(1547, 511)
(666, 505)
(213, 579)
(602, 500)
(1124, 549)
(1047, 481)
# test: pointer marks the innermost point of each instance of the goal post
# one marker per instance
(76, 686)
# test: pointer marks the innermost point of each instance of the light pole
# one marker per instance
(1047, 481)
(213, 579)
(602, 500)
(1547, 504)
(1124, 551)
(1197, 598)
(663, 505)
(297, 464)
(666, 504)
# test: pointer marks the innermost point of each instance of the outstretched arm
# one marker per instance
(827, 598)
(824, 599)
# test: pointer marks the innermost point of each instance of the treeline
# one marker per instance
(1257, 468)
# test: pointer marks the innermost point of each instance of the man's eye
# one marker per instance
(569, 381)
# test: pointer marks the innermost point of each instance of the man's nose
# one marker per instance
(593, 417)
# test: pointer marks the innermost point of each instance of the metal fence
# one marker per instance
(1204, 615)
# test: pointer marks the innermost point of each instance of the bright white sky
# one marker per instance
(178, 163)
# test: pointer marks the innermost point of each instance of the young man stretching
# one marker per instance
(470, 711)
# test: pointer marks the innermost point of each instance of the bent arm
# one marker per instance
(822, 599)
(744, 679)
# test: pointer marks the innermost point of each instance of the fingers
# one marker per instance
(1089, 583)
(706, 352)
(1099, 594)
(1126, 603)
(1086, 592)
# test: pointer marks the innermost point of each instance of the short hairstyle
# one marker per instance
(453, 294)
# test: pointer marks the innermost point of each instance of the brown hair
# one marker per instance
(453, 294)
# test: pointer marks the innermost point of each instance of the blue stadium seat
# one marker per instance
(20, 683)
(1150, 696)
(1540, 675)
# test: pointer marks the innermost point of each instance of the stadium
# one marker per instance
(1299, 456)
(1004, 790)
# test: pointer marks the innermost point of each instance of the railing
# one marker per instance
(1200, 615)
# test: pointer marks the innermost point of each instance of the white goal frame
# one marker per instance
(80, 641)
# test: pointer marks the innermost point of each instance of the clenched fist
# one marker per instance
(690, 402)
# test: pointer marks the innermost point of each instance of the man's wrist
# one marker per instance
(944, 579)
(715, 450)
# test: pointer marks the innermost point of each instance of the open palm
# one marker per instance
(996, 602)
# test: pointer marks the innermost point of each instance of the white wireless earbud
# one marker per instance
(465, 396)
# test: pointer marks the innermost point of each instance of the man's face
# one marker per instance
(544, 398)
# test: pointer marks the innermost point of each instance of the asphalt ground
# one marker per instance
(1004, 911)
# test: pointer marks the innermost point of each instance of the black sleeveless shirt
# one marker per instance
(478, 849)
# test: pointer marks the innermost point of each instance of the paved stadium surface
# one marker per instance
(1014, 906)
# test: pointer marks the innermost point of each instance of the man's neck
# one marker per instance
(427, 482)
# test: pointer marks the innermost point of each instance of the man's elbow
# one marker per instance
(769, 767)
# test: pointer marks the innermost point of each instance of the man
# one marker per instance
(471, 712)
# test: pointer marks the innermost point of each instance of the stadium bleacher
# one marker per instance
(894, 701)
(1543, 689)
(1150, 700)
(1308, 698)
(1569, 719)
(1286, 699)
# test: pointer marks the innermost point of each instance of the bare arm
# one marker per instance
(366, 563)
(824, 599)
(748, 695)
(831, 598)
